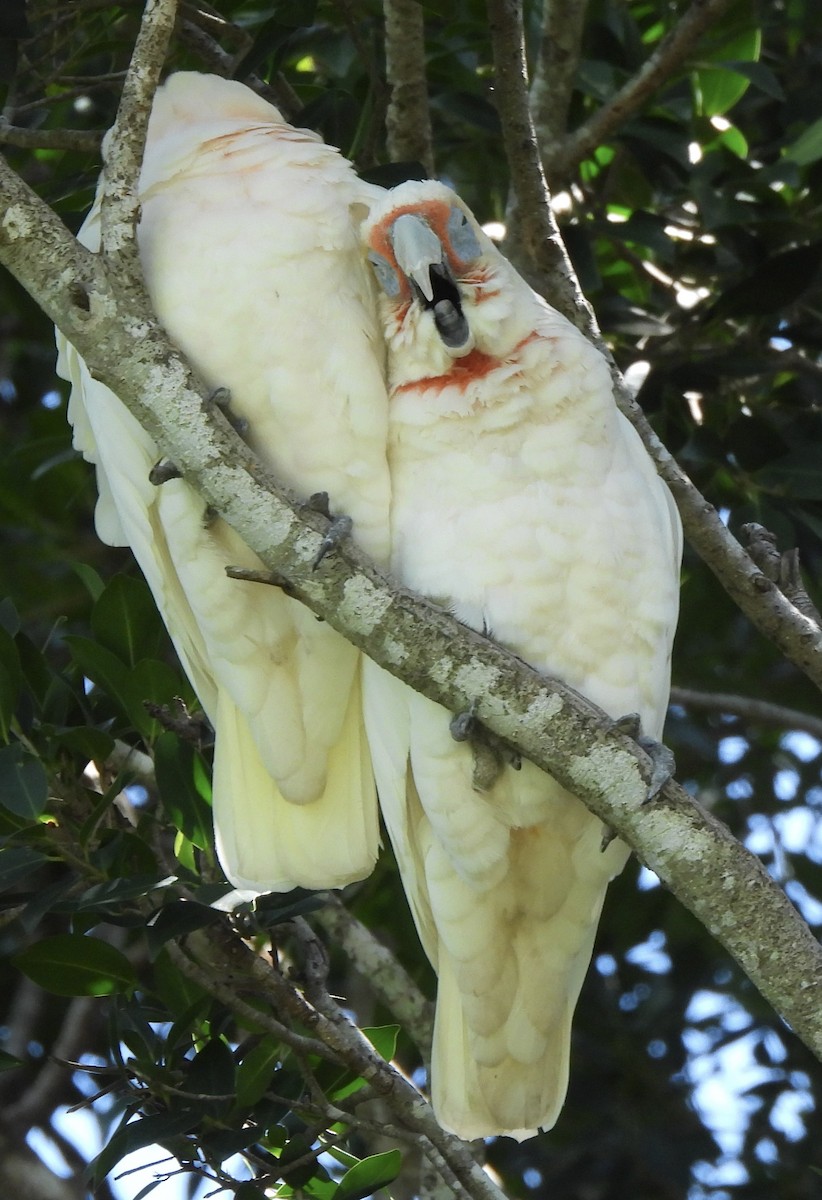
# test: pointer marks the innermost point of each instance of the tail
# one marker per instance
(484, 1087)
(267, 844)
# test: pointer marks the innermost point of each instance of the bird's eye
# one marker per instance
(464, 241)
(386, 275)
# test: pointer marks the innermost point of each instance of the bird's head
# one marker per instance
(442, 280)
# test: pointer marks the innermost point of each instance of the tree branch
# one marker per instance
(560, 42)
(408, 120)
(450, 1156)
(85, 140)
(691, 852)
(119, 207)
(533, 218)
(760, 712)
(670, 54)
(386, 975)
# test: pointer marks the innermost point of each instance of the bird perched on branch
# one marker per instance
(250, 249)
(524, 502)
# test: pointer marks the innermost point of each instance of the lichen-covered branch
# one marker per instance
(408, 120)
(695, 855)
(120, 207)
(668, 57)
(387, 977)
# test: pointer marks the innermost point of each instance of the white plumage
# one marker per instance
(523, 501)
(250, 248)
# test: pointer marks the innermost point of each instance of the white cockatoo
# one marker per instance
(249, 241)
(524, 502)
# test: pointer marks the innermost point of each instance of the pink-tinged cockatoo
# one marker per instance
(524, 502)
(249, 241)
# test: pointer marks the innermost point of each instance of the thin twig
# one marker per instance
(86, 141)
(761, 712)
(408, 120)
(666, 60)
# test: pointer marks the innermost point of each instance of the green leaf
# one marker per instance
(383, 1038)
(9, 617)
(115, 891)
(23, 783)
(16, 862)
(807, 148)
(174, 764)
(125, 620)
(8, 1062)
(11, 678)
(773, 285)
(369, 1175)
(130, 687)
(71, 964)
(272, 908)
(159, 1128)
(212, 1072)
(255, 1072)
(86, 742)
(102, 667)
(176, 919)
(176, 991)
(89, 578)
(720, 87)
(797, 474)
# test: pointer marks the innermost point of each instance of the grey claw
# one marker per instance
(608, 836)
(339, 529)
(221, 398)
(663, 764)
(162, 471)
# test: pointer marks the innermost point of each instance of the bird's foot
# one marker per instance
(162, 471)
(339, 527)
(221, 398)
(663, 763)
(490, 754)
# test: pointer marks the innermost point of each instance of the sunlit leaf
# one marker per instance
(720, 87)
(369, 1175)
